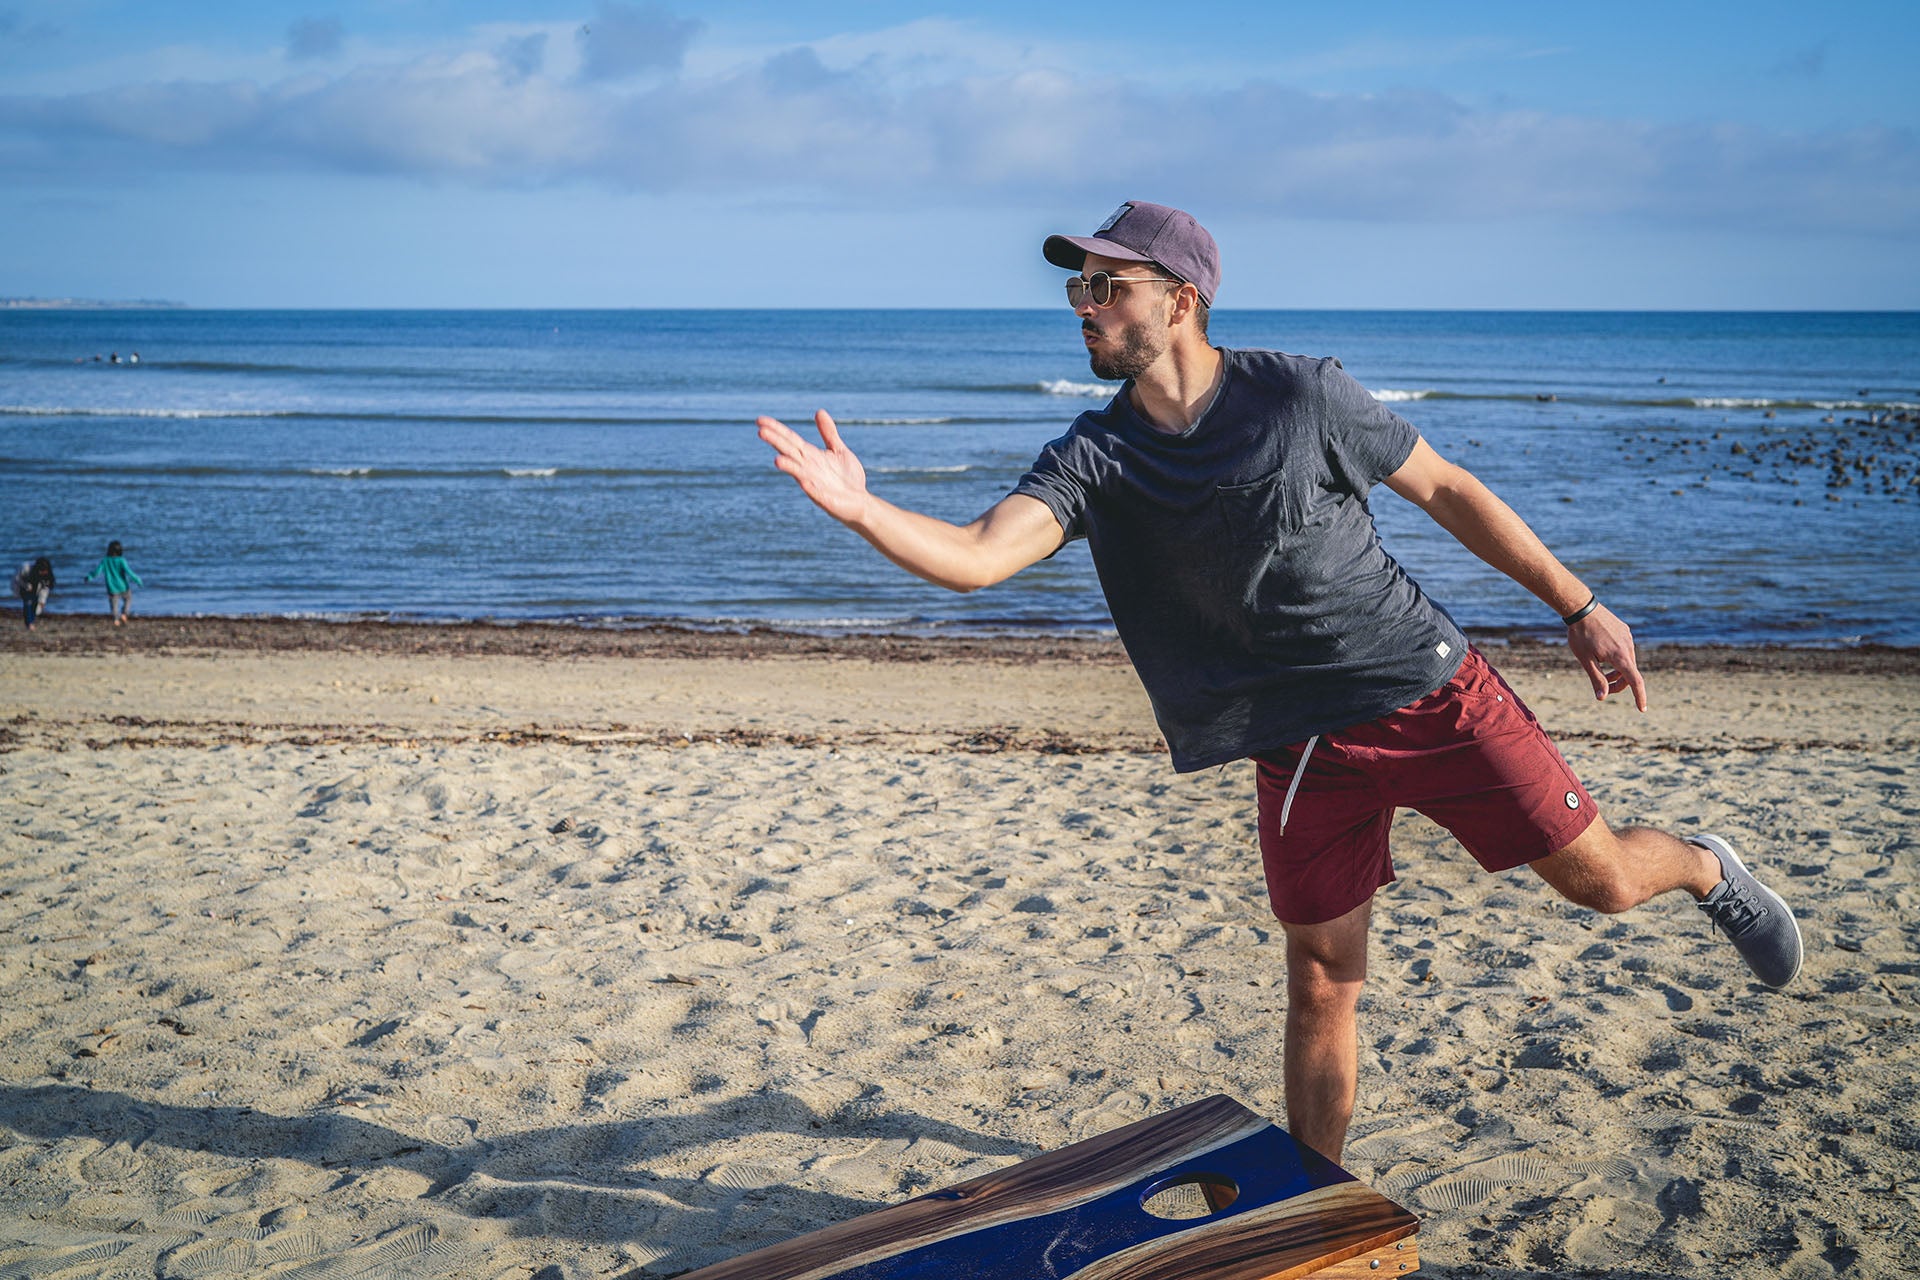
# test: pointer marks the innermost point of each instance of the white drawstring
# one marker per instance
(1299, 771)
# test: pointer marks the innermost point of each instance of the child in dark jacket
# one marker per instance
(33, 584)
(121, 580)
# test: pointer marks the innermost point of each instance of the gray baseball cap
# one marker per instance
(1142, 232)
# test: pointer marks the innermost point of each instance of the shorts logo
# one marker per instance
(1573, 799)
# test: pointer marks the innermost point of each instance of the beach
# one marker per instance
(363, 949)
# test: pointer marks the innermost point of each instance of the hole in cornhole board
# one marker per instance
(1190, 1195)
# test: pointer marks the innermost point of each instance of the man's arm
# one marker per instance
(1014, 533)
(1489, 528)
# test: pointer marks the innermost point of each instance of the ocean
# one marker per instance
(1731, 477)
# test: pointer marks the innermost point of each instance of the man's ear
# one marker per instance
(1186, 300)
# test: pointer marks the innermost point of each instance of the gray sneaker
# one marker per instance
(1752, 916)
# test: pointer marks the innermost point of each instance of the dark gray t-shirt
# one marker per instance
(1240, 560)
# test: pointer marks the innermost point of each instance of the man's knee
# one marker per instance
(1592, 872)
(1327, 962)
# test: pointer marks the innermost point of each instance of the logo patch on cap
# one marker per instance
(1114, 217)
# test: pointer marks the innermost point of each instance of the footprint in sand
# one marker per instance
(240, 1245)
(746, 1176)
(1478, 1182)
(116, 1163)
(205, 1183)
(187, 1217)
(873, 1171)
(74, 1262)
(379, 1258)
(207, 1257)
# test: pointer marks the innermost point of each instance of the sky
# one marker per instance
(892, 153)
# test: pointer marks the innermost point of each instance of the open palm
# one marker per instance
(831, 476)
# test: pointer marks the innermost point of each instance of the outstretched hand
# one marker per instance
(831, 476)
(1604, 646)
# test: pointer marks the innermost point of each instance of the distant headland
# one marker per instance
(88, 304)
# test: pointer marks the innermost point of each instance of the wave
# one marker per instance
(1636, 402)
(124, 473)
(1065, 387)
(379, 415)
(1046, 387)
(463, 473)
(230, 367)
(1071, 388)
(65, 411)
(1744, 402)
(480, 419)
(1057, 387)
(920, 471)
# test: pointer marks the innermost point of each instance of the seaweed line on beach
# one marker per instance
(986, 741)
(73, 635)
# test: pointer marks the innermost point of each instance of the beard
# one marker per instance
(1137, 351)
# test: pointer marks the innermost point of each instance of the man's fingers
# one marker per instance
(785, 441)
(1598, 677)
(829, 434)
(774, 431)
(1637, 683)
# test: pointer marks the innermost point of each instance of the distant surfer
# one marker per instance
(1223, 494)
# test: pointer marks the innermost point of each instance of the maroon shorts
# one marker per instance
(1469, 755)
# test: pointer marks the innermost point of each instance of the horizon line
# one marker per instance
(10, 306)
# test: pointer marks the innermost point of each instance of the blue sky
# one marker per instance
(600, 153)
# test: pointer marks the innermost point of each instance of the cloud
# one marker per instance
(625, 40)
(313, 38)
(853, 126)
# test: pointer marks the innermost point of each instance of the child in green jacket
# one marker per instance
(121, 580)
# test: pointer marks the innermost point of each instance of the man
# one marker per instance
(1223, 495)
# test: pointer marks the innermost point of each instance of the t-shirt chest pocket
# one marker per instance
(1264, 512)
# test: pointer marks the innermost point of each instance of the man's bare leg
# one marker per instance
(1326, 968)
(1612, 871)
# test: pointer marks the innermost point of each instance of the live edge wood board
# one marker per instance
(1077, 1214)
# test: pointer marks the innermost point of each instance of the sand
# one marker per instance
(364, 951)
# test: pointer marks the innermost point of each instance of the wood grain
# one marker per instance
(1399, 1259)
(1293, 1238)
(1075, 1214)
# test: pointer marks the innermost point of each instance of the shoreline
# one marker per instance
(74, 634)
(202, 682)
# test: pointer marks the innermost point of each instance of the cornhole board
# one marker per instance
(1255, 1205)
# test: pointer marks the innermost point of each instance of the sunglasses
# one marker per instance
(1100, 286)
